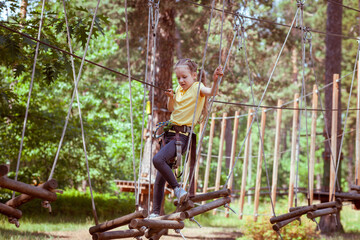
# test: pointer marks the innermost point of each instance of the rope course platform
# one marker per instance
(46, 191)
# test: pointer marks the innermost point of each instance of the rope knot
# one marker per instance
(300, 4)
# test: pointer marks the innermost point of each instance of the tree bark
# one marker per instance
(23, 9)
(328, 224)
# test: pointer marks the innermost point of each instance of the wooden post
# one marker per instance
(357, 140)
(3, 170)
(220, 156)
(333, 157)
(27, 189)
(313, 144)
(245, 163)
(259, 165)
(208, 159)
(198, 162)
(276, 153)
(232, 156)
(295, 127)
(117, 222)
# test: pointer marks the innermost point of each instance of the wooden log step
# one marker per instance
(207, 207)
(178, 216)
(118, 234)
(337, 203)
(321, 212)
(208, 196)
(24, 198)
(355, 187)
(9, 211)
(118, 222)
(3, 170)
(281, 224)
(293, 214)
(158, 235)
(153, 223)
(28, 189)
(185, 206)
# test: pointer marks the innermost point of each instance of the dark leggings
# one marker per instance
(161, 162)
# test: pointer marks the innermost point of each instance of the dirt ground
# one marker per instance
(205, 233)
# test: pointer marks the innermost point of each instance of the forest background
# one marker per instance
(104, 96)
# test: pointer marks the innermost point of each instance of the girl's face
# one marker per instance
(184, 76)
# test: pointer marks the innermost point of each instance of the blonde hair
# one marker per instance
(193, 67)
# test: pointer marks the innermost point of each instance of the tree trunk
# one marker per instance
(23, 9)
(165, 47)
(332, 66)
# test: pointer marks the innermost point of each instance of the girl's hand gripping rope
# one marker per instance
(218, 72)
(170, 93)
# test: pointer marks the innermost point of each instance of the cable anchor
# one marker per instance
(14, 221)
(228, 207)
(182, 235)
(192, 219)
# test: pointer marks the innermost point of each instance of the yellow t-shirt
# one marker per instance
(184, 105)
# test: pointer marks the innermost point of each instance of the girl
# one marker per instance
(182, 105)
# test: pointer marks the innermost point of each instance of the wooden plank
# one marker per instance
(245, 163)
(334, 117)
(259, 165)
(220, 156)
(276, 153)
(357, 138)
(232, 155)
(208, 159)
(294, 134)
(313, 144)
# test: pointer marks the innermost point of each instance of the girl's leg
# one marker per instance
(158, 195)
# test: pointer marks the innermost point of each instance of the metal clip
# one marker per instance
(46, 204)
(192, 219)
(178, 231)
(228, 207)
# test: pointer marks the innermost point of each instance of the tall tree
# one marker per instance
(332, 65)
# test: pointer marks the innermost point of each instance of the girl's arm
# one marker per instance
(208, 92)
(171, 100)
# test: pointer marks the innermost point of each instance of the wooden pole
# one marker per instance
(198, 162)
(178, 216)
(333, 157)
(259, 165)
(118, 234)
(208, 159)
(232, 155)
(27, 189)
(295, 127)
(357, 140)
(3, 170)
(220, 156)
(24, 198)
(9, 211)
(245, 163)
(313, 144)
(117, 222)
(276, 153)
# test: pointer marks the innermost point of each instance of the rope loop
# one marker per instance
(238, 22)
(307, 34)
(300, 4)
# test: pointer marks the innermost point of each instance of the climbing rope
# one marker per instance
(30, 91)
(221, 30)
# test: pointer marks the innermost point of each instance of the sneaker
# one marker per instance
(153, 215)
(180, 193)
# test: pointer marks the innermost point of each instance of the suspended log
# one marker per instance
(281, 224)
(294, 134)
(220, 156)
(3, 170)
(28, 189)
(24, 198)
(321, 212)
(153, 223)
(334, 133)
(232, 156)
(185, 206)
(293, 214)
(9, 211)
(245, 163)
(355, 187)
(178, 216)
(259, 165)
(208, 196)
(208, 159)
(118, 222)
(207, 207)
(336, 204)
(276, 153)
(118, 234)
(313, 144)
(159, 234)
